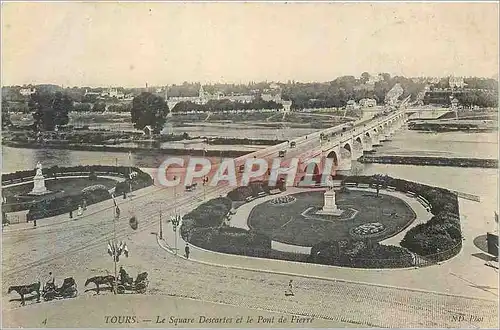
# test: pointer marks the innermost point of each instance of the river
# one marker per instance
(477, 181)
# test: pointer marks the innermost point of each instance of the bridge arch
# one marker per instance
(333, 155)
(348, 147)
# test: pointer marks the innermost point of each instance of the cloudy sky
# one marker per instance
(129, 44)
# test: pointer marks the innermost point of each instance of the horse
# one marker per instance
(26, 289)
(98, 280)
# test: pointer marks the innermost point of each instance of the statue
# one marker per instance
(39, 182)
(330, 205)
(39, 169)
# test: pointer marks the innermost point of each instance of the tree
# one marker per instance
(365, 76)
(149, 109)
(5, 114)
(99, 107)
(50, 110)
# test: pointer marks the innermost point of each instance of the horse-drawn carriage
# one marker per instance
(127, 283)
(67, 290)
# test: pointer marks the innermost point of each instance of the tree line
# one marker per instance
(225, 105)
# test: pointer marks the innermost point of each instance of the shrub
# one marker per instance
(232, 240)
(240, 193)
(92, 176)
(360, 254)
(209, 214)
(426, 239)
(60, 205)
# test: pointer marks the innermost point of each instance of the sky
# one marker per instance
(131, 44)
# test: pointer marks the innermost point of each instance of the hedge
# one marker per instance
(141, 180)
(56, 170)
(209, 214)
(360, 254)
(232, 240)
(438, 235)
(441, 234)
(253, 190)
(60, 205)
(202, 227)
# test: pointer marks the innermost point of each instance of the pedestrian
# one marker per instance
(84, 204)
(80, 210)
(71, 214)
(34, 223)
(186, 250)
(289, 292)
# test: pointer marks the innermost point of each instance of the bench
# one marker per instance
(363, 185)
(351, 184)
(410, 193)
(391, 188)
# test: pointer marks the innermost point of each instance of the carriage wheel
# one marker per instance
(120, 289)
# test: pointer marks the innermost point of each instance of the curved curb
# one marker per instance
(326, 278)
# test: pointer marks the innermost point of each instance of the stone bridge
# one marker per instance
(330, 151)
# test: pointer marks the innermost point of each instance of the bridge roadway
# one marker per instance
(77, 248)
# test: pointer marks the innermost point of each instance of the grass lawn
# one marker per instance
(71, 186)
(284, 223)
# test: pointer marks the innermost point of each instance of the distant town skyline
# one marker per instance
(131, 44)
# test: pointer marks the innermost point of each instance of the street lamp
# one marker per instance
(161, 226)
(205, 182)
(175, 220)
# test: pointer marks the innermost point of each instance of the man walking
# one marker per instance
(289, 292)
(186, 250)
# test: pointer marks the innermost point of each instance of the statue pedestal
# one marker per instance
(330, 206)
(39, 186)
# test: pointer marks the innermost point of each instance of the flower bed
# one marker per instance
(368, 230)
(282, 200)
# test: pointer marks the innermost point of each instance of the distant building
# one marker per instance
(455, 104)
(456, 82)
(368, 103)
(351, 105)
(274, 86)
(271, 97)
(203, 97)
(113, 92)
(287, 105)
(148, 130)
(27, 91)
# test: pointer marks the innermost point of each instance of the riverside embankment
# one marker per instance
(430, 161)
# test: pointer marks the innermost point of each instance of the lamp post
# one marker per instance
(205, 182)
(175, 220)
(161, 226)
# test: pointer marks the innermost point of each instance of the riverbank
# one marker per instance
(110, 148)
(430, 161)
